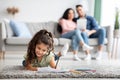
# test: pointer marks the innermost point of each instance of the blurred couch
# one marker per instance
(11, 42)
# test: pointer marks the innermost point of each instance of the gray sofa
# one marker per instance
(8, 42)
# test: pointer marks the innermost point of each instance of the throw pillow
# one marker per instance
(20, 29)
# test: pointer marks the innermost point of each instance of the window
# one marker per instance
(108, 8)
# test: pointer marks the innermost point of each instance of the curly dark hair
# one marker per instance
(42, 36)
(65, 14)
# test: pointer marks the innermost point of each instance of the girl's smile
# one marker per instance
(41, 49)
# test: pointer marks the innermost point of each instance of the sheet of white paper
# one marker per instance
(48, 69)
(81, 23)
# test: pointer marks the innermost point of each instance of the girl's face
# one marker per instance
(41, 49)
(71, 14)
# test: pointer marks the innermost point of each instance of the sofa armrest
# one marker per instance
(2, 36)
(3, 30)
(109, 35)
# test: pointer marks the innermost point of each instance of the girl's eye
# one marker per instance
(39, 48)
(44, 50)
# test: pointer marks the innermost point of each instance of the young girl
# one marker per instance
(40, 51)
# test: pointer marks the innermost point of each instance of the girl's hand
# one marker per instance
(30, 67)
(52, 63)
(74, 71)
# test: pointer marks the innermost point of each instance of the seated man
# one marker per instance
(92, 29)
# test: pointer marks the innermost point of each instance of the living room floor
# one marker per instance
(16, 58)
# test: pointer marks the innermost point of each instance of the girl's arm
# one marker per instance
(52, 63)
(30, 67)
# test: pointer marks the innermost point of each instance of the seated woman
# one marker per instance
(70, 31)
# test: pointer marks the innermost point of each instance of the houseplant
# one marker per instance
(117, 25)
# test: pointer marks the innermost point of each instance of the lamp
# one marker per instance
(12, 10)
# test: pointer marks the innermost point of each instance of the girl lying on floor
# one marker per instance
(40, 52)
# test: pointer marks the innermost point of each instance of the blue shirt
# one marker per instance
(91, 22)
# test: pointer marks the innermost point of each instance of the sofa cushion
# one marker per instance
(35, 27)
(92, 41)
(20, 29)
(23, 41)
(17, 41)
(62, 41)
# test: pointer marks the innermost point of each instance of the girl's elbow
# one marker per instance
(31, 68)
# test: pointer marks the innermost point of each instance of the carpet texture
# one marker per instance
(19, 72)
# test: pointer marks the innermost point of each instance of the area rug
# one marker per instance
(18, 71)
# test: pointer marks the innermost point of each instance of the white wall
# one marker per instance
(39, 10)
(108, 13)
(88, 6)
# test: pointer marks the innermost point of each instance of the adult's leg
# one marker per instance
(76, 39)
(75, 47)
(85, 37)
(75, 42)
(79, 37)
(70, 34)
(100, 34)
(82, 43)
